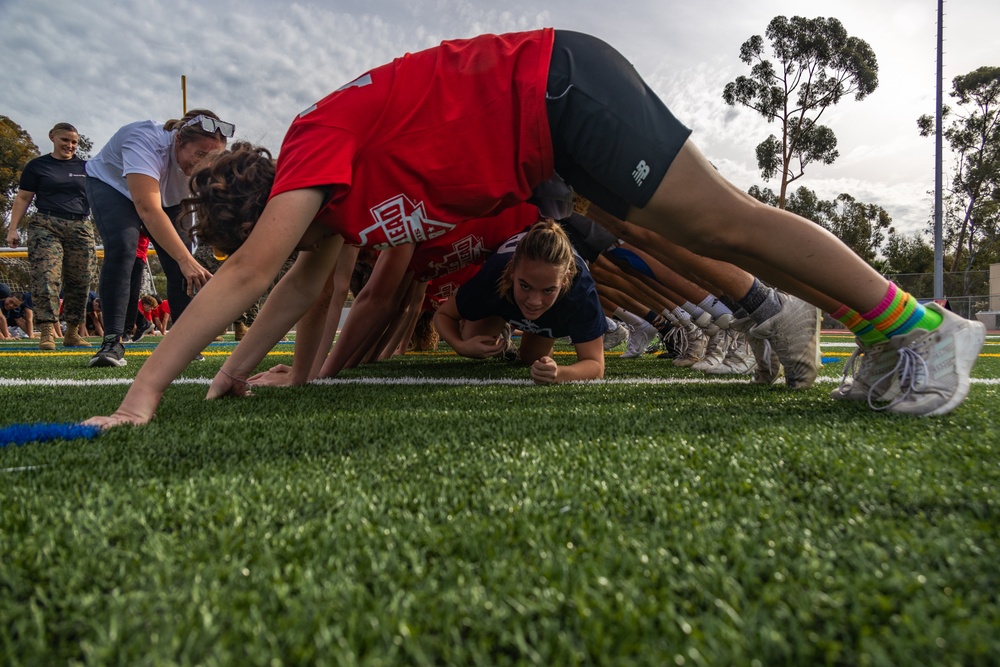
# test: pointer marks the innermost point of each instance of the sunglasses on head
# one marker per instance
(210, 124)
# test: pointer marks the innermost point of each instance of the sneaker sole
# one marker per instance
(104, 362)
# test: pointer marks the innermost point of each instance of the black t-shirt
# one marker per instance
(58, 185)
(577, 313)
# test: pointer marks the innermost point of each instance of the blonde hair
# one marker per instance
(545, 242)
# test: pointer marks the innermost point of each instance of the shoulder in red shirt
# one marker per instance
(433, 139)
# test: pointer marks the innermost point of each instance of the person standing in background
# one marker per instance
(137, 182)
(60, 236)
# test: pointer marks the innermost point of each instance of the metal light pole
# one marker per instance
(938, 180)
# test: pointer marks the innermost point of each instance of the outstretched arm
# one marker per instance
(296, 297)
(372, 310)
(242, 279)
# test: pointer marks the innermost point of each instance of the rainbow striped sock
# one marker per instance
(899, 313)
(859, 326)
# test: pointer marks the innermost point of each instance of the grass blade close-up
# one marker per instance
(434, 510)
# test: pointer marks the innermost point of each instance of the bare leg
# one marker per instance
(695, 207)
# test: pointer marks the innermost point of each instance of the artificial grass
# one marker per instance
(499, 524)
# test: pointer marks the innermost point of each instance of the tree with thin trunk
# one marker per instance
(814, 64)
(972, 206)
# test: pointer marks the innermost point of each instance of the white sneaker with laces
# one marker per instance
(794, 335)
(694, 349)
(932, 371)
(715, 352)
(639, 339)
(767, 367)
(866, 364)
(616, 334)
(739, 358)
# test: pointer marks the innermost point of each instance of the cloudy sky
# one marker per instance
(257, 63)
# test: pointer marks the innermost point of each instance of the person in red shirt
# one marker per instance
(466, 129)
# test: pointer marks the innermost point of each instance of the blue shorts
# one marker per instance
(612, 137)
(625, 257)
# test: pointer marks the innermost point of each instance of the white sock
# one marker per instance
(714, 307)
(628, 318)
(681, 314)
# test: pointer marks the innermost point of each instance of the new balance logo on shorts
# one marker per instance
(641, 172)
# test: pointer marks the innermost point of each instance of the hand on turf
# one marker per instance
(119, 418)
(225, 385)
(278, 376)
(544, 371)
(480, 347)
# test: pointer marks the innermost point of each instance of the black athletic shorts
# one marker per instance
(612, 137)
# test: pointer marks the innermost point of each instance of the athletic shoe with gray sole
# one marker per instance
(932, 371)
(866, 364)
(794, 335)
(616, 336)
(767, 367)
(112, 353)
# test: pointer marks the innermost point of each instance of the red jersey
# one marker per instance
(161, 310)
(433, 139)
(442, 288)
(469, 243)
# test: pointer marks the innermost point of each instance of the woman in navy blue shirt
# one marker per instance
(535, 283)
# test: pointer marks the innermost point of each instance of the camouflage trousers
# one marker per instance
(61, 254)
(205, 257)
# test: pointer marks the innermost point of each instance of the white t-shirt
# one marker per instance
(143, 147)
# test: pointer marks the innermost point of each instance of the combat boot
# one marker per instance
(48, 341)
(72, 337)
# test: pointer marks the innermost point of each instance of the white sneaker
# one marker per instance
(739, 358)
(696, 343)
(615, 335)
(866, 364)
(703, 320)
(639, 339)
(767, 368)
(715, 352)
(723, 321)
(931, 374)
(794, 335)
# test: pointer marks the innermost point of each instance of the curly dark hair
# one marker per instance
(229, 192)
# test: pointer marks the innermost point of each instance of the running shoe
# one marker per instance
(932, 371)
(112, 353)
(794, 336)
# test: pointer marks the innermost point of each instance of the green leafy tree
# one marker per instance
(85, 148)
(16, 150)
(972, 205)
(909, 261)
(815, 65)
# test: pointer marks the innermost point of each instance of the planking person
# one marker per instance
(536, 283)
(470, 127)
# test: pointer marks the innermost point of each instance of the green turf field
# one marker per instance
(432, 510)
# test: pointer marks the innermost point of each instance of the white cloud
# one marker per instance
(259, 62)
